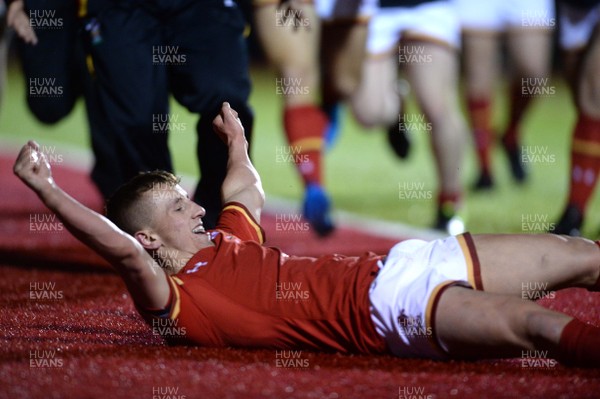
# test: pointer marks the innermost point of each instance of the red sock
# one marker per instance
(480, 114)
(305, 126)
(579, 345)
(449, 202)
(585, 161)
(518, 104)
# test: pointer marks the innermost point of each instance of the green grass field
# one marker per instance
(362, 174)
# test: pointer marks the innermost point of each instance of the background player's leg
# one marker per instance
(294, 50)
(531, 265)
(376, 102)
(530, 53)
(49, 65)
(480, 49)
(132, 88)
(585, 150)
(343, 49)
(435, 85)
(215, 70)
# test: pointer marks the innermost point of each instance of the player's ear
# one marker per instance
(148, 240)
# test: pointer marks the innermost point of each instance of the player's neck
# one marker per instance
(172, 260)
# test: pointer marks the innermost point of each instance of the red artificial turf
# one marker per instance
(69, 330)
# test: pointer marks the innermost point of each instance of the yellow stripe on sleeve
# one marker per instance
(250, 220)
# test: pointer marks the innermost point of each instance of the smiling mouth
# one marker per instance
(199, 229)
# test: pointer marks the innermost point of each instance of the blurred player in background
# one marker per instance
(317, 48)
(527, 27)
(53, 45)
(429, 39)
(579, 22)
(195, 50)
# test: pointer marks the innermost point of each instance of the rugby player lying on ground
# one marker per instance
(465, 294)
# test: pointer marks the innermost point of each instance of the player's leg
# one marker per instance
(343, 50)
(48, 65)
(376, 101)
(476, 325)
(132, 87)
(530, 266)
(585, 150)
(290, 37)
(213, 69)
(530, 51)
(480, 49)
(436, 89)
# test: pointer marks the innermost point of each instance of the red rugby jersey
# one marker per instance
(240, 293)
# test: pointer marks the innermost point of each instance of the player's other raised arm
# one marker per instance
(242, 183)
(145, 282)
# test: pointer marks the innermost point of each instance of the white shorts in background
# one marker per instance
(498, 15)
(576, 25)
(405, 294)
(436, 21)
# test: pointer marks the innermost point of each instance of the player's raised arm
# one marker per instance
(242, 183)
(147, 285)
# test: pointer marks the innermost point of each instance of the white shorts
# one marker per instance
(498, 15)
(330, 10)
(576, 25)
(405, 294)
(436, 21)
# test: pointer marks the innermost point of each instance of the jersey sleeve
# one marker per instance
(237, 220)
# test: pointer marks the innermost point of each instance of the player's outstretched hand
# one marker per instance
(32, 167)
(227, 124)
(17, 18)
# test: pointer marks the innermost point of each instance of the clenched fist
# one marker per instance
(33, 168)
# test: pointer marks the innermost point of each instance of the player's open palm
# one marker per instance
(32, 167)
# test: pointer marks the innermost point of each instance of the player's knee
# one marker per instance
(588, 96)
(49, 112)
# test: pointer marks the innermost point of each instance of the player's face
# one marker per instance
(177, 220)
